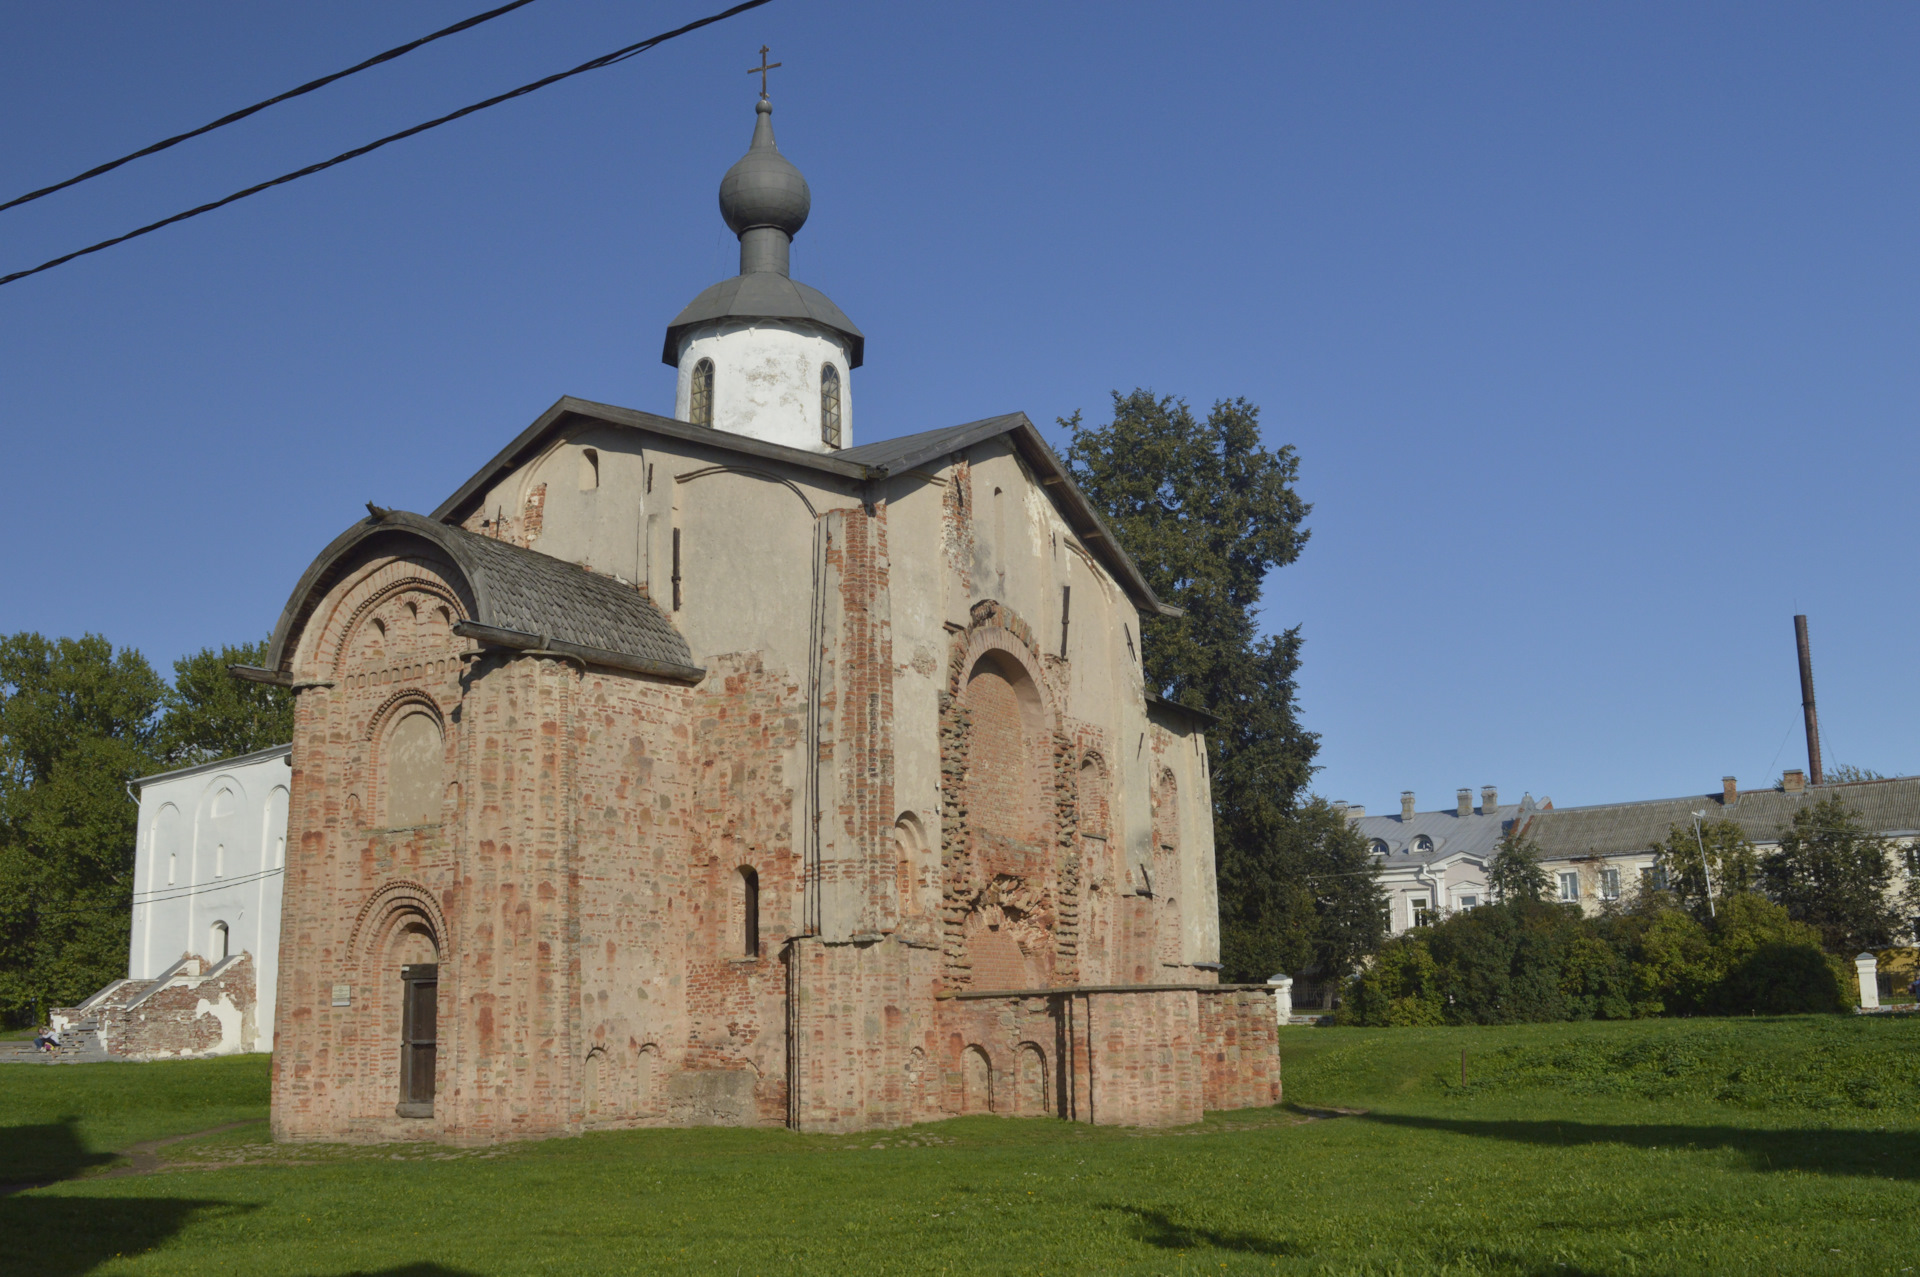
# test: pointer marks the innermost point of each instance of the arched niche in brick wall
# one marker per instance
(1009, 769)
(1001, 832)
(1100, 873)
(1166, 867)
(400, 926)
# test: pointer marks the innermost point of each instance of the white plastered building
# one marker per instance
(211, 847)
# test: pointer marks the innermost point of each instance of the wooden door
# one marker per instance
(419, 1016)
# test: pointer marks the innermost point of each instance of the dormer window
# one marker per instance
(1378, 847)
(700, 394)
(830, 405)
(1423, 844)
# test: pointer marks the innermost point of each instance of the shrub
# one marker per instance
(1525, 961)
(1400, 989)
(1782, 977)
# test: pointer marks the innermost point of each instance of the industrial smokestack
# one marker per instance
(1806, 700)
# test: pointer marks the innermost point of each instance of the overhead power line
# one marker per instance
(604, 60)
(244, 112)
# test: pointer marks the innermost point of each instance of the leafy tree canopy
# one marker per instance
(78, 721)
(1515, 872)
(1717, 855)
(1831, 872)
(1848, 774)
(1207, 512)
(1527, 960)
(210, 714)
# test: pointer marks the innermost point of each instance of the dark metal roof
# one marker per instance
(569, 413)
(764, 294)
(583, 613)
(1611, 829)
(864, 464)
(1200, 718)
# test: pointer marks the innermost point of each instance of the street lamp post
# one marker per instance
(1706, 871)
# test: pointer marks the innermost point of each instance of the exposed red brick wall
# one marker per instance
(581, 888)
(1239, 1046)
(183, 1018)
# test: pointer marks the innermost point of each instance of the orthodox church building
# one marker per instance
(722, 768)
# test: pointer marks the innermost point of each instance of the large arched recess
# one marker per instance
(1004, 866)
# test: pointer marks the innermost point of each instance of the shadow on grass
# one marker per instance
(59, 1236)
(1157, 1228)
(413, 1270)
(36, 1155)
(1875, 1154)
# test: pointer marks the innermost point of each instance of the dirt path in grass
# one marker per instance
(146, 1154)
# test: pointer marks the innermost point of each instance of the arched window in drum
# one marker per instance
(830, 405)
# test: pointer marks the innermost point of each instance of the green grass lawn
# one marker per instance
(1692, 1146)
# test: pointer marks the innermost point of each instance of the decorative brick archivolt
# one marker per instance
(407, 698)
(387, 908)
(359, 595)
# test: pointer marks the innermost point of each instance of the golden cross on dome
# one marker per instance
(762, 69)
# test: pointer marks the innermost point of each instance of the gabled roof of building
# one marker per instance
(214, 765)
(1612, 829)
(523, 597)
(865, 464)
(1475, 834)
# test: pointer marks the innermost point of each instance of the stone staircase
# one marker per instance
(79, 1044)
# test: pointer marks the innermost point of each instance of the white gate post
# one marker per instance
(1282, 997)
(1869, 968)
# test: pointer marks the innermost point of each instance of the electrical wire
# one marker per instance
(160, 895)
(245, 111)
(604, 60)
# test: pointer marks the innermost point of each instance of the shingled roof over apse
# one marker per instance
(520, 593)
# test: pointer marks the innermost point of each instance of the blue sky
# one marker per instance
(1594, 326)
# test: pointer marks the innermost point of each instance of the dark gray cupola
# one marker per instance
(764, 200)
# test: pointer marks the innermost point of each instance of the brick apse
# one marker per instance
(668, 777)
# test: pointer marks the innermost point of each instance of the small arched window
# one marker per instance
(217, 942)
(830, 405)
(700, 394)
(1423, 844)
(589, 469)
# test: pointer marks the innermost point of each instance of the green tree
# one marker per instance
(77, 722)
(210, 714)
(1344, 918)
(1401, 988)
(1848, 774)
(1832, 872)
(1718, 854)
(1769, 963)
(1207, 512)
(1515, 872)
